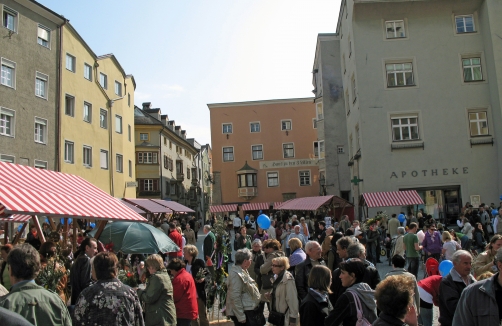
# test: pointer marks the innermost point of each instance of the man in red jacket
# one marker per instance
(184, 293)
(176, 237)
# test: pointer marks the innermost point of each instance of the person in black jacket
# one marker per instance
(302, 270)
(80, 274)
(372, 239)
(316, 305)
(370, 277)
(194, 267)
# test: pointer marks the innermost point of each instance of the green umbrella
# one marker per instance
(136, 238)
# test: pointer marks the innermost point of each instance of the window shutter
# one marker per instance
(141, 184)
(43, 33)
(155, 185)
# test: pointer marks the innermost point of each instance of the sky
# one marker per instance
(187, 54)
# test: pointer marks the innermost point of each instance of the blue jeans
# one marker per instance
(413, 265)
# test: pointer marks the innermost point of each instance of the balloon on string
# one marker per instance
(69, 220)
(445, 267)
(401, 218)
(19, 228)
(92, 225)
(263, 221)
(495, 212)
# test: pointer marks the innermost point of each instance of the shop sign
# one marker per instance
(429, 173)
(287, 163)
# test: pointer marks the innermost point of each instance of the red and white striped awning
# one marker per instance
(305, 203)
(17, 218)
(223, 208)
(391, 198)
(256, 206)
(30, 191)
(174, 206)
(277, 204)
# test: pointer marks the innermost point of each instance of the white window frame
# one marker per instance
(44, 79)
(69, 151)
(319, 111)
(69, 110)
(11, 65)
(395, 33)
(230, 155)
(87, 156)
(408, 125)
(316, 148)
(44, 35)
(8, 113)
(15, 16)
(39, 164)
(41, 130)
(286, 121)
(71, 62)
(472, 66)
(148, 157)
(399, 69)
(7, 158)
(464, 24)
(118, 88)
(147, 184)
(302, 177)
(87, 107)
(284, 149)
(252, 127)
(226, 125)
(86, 65)
(104, 159)
(118, 124)
(480, 123)
(103, 123)
(271, 177)
(257, 151)
(119, 163)
(320, 149)
(103, 80)
(340, 149)
(142, 138)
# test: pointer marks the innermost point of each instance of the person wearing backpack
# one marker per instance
(356, 306)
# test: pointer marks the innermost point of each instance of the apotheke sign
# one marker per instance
(429, 173)
(287, 163)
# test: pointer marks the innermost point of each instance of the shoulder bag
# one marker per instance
(274, 317)
(361, 321)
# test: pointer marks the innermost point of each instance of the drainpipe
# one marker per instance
(161, 161)
(57, 163)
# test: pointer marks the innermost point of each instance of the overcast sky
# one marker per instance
(186, 54)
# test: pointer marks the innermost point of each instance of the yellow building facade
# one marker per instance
(96, 118)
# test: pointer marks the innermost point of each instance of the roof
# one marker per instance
(390, 198)
(148, 205)
(43, 11)
(289, 100)
(117, 63)
(246, 168)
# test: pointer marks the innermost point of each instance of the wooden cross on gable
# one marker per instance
(355, 180)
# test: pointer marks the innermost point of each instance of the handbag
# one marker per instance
(255, 317)
(361, 321)
(267, 280)
(274, 317)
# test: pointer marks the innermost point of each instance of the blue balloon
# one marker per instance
(445, 267)
(69, 220)
(92, 225)
(263, 221)
(401, 218)
(494, 212)
(19, 228)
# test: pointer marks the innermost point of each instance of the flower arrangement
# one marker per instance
(376, 219)
(201, 274)
(50, 276)
(128, 278)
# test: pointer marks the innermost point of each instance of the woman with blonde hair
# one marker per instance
(284, 297)
(297, 254)
(449, 246)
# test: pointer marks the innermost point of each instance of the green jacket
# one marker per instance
(36, 304)
(158, 299)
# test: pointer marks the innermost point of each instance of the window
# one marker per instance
(316, 149)
(354, 90)
(7, 122)
(395, 29)
(40, 131)
(87, 72)
(340, 149)
(405, 128)
(9, 19)
(399, 74)
(87, 112)
(228, 154)
(130, 168)
(103, 118)
(129, 132)
(188, 172)
(143, 137)
(128, 99)
(314, 123)
(8, 73)
(172, 191)
(41, 82)
(247, 180)
(103, 80)
(273, 179)
(257, 152)
(149, 184)
(170, 145)
(118, 124)
(68, 151)
(7, 158)
(227, 128)
(40, 164)
(288, 150)
(70, 62)
(255, 126)
(43, 36)
(69, 105)
(464, 24)
(103, 159)
(147, 157)
(285, 124)
(87, 156)
(320, 112)
(304, 178)
(119, 160)
(472, 69)
(319, 149)
(118, 88)
(478, 123)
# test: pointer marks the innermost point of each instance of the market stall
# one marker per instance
(389, 199)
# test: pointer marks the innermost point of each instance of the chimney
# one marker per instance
(177, 129)
(171, 124)
(184, 134)
(164, 120)
(147, 105)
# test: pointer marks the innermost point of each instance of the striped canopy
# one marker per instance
(391, 198)
(31, 191)
(223, 208)
(17, 218)
(256, 206)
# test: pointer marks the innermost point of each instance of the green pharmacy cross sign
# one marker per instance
(356, 180)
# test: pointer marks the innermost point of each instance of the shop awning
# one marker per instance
(313, 203)
(390, 198)
(223, 208)
(30, 191)
(17, 218)
(256, 206)
(277, 204)
(148, 205)
(174, 206)
(134, 207)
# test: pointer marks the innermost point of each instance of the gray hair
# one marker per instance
(400, 230)
(498, 255)
(455, 258)
(241, 255)
(256, 241)
(207, 227)
(355, 250)
(297, 226)
(310, 245)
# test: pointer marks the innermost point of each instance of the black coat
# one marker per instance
(197, 264)
(388, 320)
(313, 312)
(80, 276)
(371, 277)
(450, 290)
(209, 245)
(302, 272)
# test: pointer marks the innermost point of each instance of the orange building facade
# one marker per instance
(264, 151)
